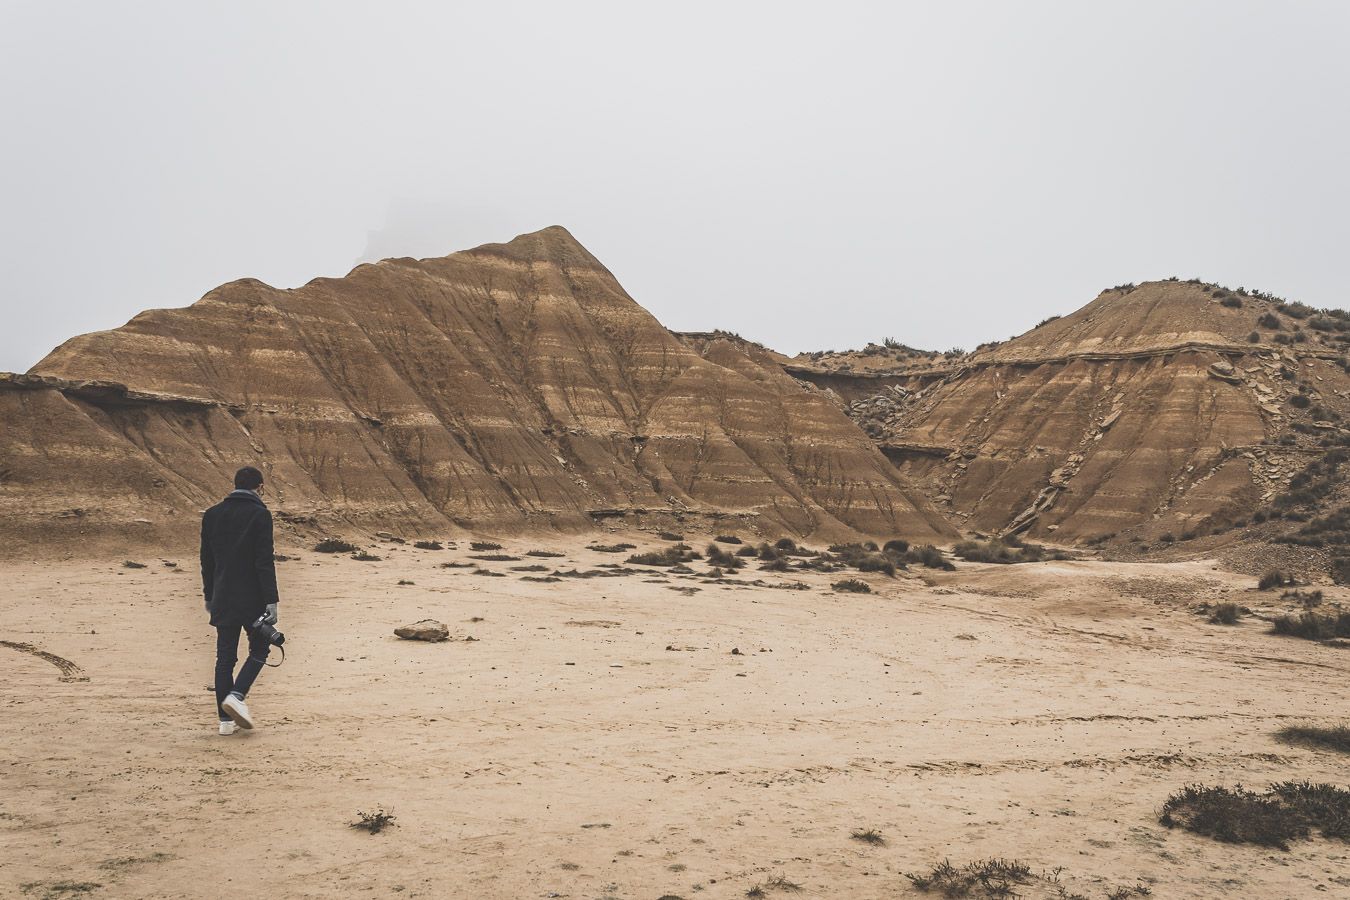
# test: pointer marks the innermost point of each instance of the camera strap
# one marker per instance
(283, 658)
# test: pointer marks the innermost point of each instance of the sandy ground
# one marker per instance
(599, 738)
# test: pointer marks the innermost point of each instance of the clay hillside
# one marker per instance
(503, 388)
(1168, 413)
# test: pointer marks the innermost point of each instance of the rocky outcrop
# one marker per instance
(510, 387)
(426, 630)
(1171, 407)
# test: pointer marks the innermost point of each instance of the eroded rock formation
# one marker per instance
(1168, 408)
(508, 387)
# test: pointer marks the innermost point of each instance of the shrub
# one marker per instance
(363, 556)
(428, 545)
(852, 586)
(1313, 626)
(1335, 737)
(375, 822)
(999, 551)
(727, 539)
(1273, 579)
(1225, 614)
(333, 545)
(991, 877)
(1231, 302)
(748, 551)
(1254, 337)
(722, 559)
(669, 536)
(542, 554)
(670, 556)
(132, 564)
(896, 546)
(1300, 401)
(484, 545)
(1309, 599)
(929, 556)
(1233, 816)
(785, 545)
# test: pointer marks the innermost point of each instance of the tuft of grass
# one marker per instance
(1330, 737)
(868, 836)
(373, 823)
(428, 545)
(482, 546)
(132, 564)
(984, 878)
(1225, 614)
(363, 556)
(852, 586)
(780, 883)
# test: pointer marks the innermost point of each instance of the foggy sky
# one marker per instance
(812, 176)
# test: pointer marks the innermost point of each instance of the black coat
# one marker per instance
(239, 576)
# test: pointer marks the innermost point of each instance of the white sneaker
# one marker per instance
(227, 727)
(238, 710)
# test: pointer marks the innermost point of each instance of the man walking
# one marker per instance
(239, 579)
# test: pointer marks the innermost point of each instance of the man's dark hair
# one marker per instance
(247, 479)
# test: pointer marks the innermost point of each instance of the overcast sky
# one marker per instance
(811, 176)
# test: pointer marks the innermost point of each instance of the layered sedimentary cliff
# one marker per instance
(1169, 408)
(509, 387)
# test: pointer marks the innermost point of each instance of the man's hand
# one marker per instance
(271, 614)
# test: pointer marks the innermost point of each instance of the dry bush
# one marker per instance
(428, 545)
(484, 545)
(1330, 737)
(333, 545)
(852, 586)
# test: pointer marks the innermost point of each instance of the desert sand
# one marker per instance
(600, 738)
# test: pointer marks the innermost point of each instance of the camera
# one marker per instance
(264, 628)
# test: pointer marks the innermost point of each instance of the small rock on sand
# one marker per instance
(425, 630)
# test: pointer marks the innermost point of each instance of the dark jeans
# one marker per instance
(227, 654)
